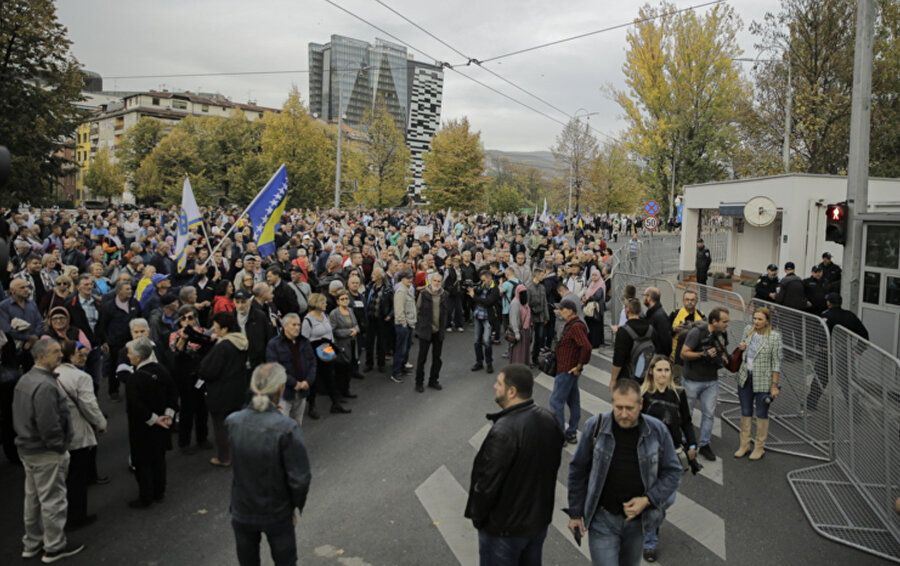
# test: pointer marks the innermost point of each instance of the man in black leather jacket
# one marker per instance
(514, 474)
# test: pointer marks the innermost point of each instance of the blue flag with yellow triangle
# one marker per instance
(266, 211)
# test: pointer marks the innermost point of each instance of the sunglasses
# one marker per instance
(188, 317)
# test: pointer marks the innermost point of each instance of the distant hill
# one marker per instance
(543, 160)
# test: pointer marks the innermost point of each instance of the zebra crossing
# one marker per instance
(444, 497)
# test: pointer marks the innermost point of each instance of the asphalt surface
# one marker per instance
(366, 466)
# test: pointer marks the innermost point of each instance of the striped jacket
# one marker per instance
(766, 362)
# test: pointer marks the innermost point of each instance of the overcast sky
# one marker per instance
(165, 37)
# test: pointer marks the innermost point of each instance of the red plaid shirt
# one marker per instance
(574, 347)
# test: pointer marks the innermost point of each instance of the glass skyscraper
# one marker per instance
(347, 75)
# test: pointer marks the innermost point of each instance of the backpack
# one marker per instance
(679, 343)
(642, 351)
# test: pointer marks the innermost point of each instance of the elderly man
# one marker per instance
(44, 429)
(115, 315)
(294, 352)
(152, 400)
(431, 325)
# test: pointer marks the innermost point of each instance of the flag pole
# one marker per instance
(238, 218)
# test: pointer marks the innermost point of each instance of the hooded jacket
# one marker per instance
(224, 369)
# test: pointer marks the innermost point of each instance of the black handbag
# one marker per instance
(547, 363)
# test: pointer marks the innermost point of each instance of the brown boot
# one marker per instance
(762, 431)
(746, 424)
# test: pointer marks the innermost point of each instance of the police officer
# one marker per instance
(767, 285)
(831, 274)
(703, 261)
(814, 285)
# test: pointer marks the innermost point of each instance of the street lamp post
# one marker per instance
(337, 175)
(578, 114)
(788, 108)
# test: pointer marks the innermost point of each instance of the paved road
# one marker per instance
(390, 481)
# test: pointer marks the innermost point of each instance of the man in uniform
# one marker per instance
(767, 285)
(704, 260)
(834, 316)
(815, 288)
(831, 274)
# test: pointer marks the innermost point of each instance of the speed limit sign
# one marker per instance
(651, 223)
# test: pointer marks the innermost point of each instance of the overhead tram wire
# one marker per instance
(478, 63)
(417, 50)
(599, 31)
(221, 74)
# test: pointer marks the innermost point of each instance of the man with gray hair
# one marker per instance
(151, 402)
(294, 352)
(266, 444)
(431, 326)
(44, 430)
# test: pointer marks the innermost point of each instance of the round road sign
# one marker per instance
(651, 223)
(651, 208)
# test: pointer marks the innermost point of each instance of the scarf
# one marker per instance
(595, 285)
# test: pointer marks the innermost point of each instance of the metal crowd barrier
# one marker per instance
(851, 499)
(798, 424)
(669, 298)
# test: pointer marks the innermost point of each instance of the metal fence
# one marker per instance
(851, 499)
(799, 421)
(669, 297)
(656, 255)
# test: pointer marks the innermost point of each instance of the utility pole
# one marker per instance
(337, 174)
(858, 172)
(672, 186)
(789, 104)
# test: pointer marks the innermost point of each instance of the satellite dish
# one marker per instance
(760, 211)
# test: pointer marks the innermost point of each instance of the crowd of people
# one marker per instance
(223, 336)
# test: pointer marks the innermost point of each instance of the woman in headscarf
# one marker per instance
(595, 296)
(520, 325)
(60, 329)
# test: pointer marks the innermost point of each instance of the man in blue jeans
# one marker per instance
(514, 475)
(704, 352)
(572, 353)
(484, 300)
(608, 497)
(404, 322)
(264, 445)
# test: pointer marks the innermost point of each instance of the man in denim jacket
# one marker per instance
(621, 479)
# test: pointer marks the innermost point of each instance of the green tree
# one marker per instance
(454, 168)
(504, 198)
(160, 177)
(138, 142)
(103, 178)
(683, 84)
(39, 82)
(291, 138)
(382, 170)
(575, 149)
(615, 180)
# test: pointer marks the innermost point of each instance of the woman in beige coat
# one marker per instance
(87, 421)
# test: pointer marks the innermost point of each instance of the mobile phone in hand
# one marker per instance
(577, 535)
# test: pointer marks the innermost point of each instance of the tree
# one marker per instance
(161, 175)
(504, 198)
(103, 178)
(615, 180)
(683, 84)
(382, 170)
(454, 168)
(137, 144)
(575, 149)
(291, 138)
(39, 82)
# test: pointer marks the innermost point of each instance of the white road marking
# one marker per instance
(699, 523)
(445, 501)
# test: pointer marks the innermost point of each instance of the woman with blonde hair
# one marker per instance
(757, 380)
(664, 400)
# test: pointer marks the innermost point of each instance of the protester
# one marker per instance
(520, 325)
(87, 422)
(345, 328)
(593, 299)
(433, 309)
(316, 328)
(271, 475)
(623, 477)
(572, 353)
(757, 380)
(513, 484)
(404, 323)
(295, 354)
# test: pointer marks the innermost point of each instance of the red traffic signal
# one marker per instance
(836, 223)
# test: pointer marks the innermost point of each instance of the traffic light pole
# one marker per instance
(858, 171)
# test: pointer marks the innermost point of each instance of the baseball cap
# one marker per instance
(568, 304)
(789, 265)
(816, 269)
(772, 267)
(826, 255)
(834, 298)
(699, 240)
(248, 257)
(241, 294)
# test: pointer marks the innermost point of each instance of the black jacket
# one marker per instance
(838, 316)
(514, 474)
(279, 350)
(150, 391)
(624, 343)
(791, 292)
(815, 289)
(764, 286)
(79, 320)
(114, 321)
(258, 331)
(425, 314)
(225, 373)
(489, 300)
(384, 294)
(703, 261)
(285, 299)
(662, 329)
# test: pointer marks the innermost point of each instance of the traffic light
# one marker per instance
(836, 223)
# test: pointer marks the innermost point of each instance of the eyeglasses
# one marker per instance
(62, 284)
(188, 317)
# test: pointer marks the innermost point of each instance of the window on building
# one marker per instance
(260, 114)
(179, 105)
(155, 102)
(205, 108)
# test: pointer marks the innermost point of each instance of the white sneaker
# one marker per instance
(408, 365)
(460, 329)
(449, 330)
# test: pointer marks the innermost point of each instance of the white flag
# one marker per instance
(545, 216)
(447, 223)
(188, 216)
